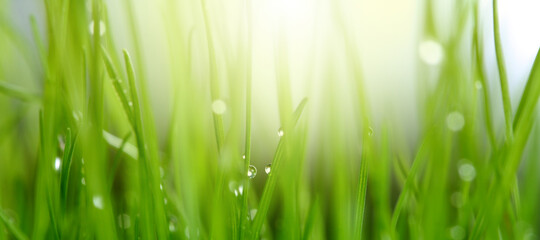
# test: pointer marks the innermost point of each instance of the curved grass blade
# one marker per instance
(502, 72)
(18, 92)
(66, 168)
(270, 185)
(17, 233)
(121, 92)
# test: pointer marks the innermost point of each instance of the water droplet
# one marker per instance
(252, 213)
(232, 186)
(161, 187)
(467, 172)
(219, 106)
(124, 221)
(457, 232)
(244, 157)
(478, 85)
(83, 181)
(431, 52)
(57, 163)
(455, 121)
(188, 231)
(172, 226)
(252, 171)
(280, 132)
(241, 189)
(130, 104)
(370, 131)
(98, 202)
(101, 28)
(165, 201)
(268, 168)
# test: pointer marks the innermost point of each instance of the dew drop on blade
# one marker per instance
(268, 168)
(280, 132)
(252, 171)
(219, 107)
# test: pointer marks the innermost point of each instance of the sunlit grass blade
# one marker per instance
(502, 72)
(270, 185)
(66, 166)
(18, 92)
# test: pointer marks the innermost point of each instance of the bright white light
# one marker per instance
(431, 52)
(98, 202)
(57, 163)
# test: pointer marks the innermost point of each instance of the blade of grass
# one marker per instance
(502, 72)
(17, 233)
(18, 92)
(270, 185)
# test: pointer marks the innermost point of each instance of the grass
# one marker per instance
(85, 153)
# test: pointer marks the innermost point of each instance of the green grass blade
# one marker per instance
(270, 185)
(502, 72)
(17, 233)
(18, 92)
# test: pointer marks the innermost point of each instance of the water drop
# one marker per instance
(83, 181)
(130, 104)
(268, 168)
(101, 28)
(241, 189)
(57, 163)
(124, 221)
(161, 187)
(98, 202)
(252, 213)
(457, 232)
(280, 132)
(478, 85)
(370, 131)
(467, 172)
(219, 106)
(172, 226)
(244, 157)
(431, 52)
(455, 121)
(252, 171)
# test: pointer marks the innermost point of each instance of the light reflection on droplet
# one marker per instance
(101, 28)
(219, 106)
(431, 52)
(252, 171)
(268, 168)
(57, 163)
(98, 202)
(455, 121)
(124, 221)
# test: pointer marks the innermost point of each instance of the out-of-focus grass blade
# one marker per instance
(66, 165)
(529, 99)
(116, 142)
(121, 92)
(270, 185)
(362, 191)
(116, 158)
(310, 220)
(523, 122)
(12, 228)
(18, 92)
(409, 185)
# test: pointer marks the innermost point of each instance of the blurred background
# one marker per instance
(388, 32)
(415, 59)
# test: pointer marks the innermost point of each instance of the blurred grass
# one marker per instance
(81, 157)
